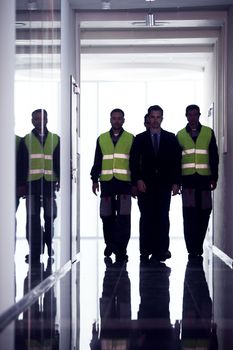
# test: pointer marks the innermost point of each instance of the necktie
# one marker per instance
(155, 139)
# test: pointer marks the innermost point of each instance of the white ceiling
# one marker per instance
(183, 37)
(157, 4)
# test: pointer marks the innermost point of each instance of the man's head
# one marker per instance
(193, 114)
(146, 121)
(155, 115)
(39, 120)
(117, 119)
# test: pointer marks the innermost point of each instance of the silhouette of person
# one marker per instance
(115, 310)
(40, 174)
(111, 173)
(198, 331)
(155, 330)
(199, 167)
(41, 315)
(155, 170)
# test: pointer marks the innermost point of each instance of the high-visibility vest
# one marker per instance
(195, 156)
(115, 161)
(41, 157)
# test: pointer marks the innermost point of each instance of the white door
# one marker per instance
(75, 168)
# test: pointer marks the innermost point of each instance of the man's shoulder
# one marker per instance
(142, 135)
(104, 133)
(168, 134)
(128, 133)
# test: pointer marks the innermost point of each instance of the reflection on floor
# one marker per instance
(175, 305)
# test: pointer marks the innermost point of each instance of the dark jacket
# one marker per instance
(161, 170)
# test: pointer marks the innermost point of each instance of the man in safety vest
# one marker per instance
(199, 177)
(40, 174)
(111, 169)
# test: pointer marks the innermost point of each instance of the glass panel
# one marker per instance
(37, 109)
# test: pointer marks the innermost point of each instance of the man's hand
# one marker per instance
(95, 187)
(134, 191)
(213, 185)
(21, 191)
(141, 186)
(175, 189)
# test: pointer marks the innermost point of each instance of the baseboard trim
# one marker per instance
(224, 257)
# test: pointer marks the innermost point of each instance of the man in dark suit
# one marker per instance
(155, 170)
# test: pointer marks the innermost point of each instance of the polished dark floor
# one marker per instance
(179, 304)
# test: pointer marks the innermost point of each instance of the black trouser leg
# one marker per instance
(50, 213)
(145, 246)
(34, 230)
(154, 221)
(115, 215)
(190, 219)
(122, 224)
(197, 206)
(107, 214)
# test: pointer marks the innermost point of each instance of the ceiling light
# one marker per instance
(32, 5)
(106, 5)
(150, 19)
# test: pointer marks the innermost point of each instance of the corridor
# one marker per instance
(178, 305)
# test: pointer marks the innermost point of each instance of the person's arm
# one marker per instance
(22, 169)
(96, 168)
(135, 166)
(177, 156)
(56, 164)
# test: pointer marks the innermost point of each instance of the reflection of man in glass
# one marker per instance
(198, 331)
(155, 330)
(38, 328)
(40, 173)
(115, 311)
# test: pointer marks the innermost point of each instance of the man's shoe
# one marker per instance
(121, 258)
(108, 261)
(50, 250)
(34, 259)
(107, 251)
(144, 258)
(165, 256)
(196, 257)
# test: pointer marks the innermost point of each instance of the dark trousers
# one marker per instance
(115, 214)
(154, 222)
(197, 206)
(38, 234)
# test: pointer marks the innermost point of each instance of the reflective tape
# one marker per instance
(40, 171)
(194, 165)
(40, 156)
(194, 151)
(116, 155)
(114, 171)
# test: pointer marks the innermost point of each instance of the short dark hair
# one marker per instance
(155, 108)
(40, 110)
(191, 107)
(145, 117)
(117, 110)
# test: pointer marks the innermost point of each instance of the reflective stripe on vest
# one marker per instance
(41, 157)
(115, 158)
(195, 156)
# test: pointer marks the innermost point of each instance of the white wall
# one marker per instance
(224, 193)
(7, 161)
(7, 154)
